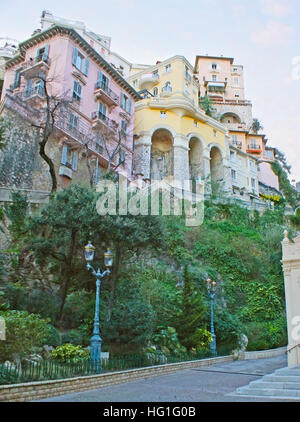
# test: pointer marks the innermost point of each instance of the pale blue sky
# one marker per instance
(262, 35)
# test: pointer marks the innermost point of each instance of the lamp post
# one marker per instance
(96, 340)
(211, 287)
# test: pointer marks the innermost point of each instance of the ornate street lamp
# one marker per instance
(96, 340)
(212, 287)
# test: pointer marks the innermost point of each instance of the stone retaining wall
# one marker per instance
(44, 389)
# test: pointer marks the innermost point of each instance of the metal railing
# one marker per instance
(102, 85)
(254, 147)
(52, 370)
(100, 116)
(32, 62)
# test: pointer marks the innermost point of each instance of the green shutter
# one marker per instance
(64, 156)
(75, 160)
(75, 55)
(86, 66)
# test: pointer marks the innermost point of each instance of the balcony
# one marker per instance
(148, 80)
(101, 121)
(237, 144)
(254, 149)
(214, 86)
(35, 68)
(35, 96)
(105, 94)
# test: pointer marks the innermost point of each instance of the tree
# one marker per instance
(256, 126)
(58, 234)
(190, 321)
(205, 104)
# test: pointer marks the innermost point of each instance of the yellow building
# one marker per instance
(173, 135)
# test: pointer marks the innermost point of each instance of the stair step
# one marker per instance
(280, 378)
(294, 372)
(260, 392)
(277, 385)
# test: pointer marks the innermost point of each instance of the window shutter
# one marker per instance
(64, 157)
(46, 53)
(100, 78)
(75, 55)
(86, 66)
(129, 106)
(75, 160)
(28, 87)
(17, 79)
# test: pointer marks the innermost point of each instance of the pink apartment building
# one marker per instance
(97, 126)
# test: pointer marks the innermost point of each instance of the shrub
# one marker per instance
(69, 353)
(78, 336)
(266, 335)
(167, 340)
(54, 338)
(24, 333)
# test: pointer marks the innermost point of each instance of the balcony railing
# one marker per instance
(99, 117)
(103, 91)
(188, 76)
(36, 91)
(31, 67)
(254, 149)
(147, 80)
(237, 144)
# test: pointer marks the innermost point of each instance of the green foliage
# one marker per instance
(132, 321)
(267, 335)
(53, 338)
(228, 327)
(256, 125)
(189, 322)
(281, 170)
(24, 333)
(167, 340)
(16, 212)
(206, 105)
(68, 353)
(78, 336)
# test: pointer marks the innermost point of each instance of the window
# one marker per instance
(103, 81)
(73, 121)
(134, 83)
(80, 62)
(235, 69)
(253, 183)
(214, 66)
(195, 123)
(163, 114)
(233, 174)
(122, 156)
(76, 94)
(38, 88)
(167, 87)
(232, 155)
(214, 78)
(168, 68)
(252, 165)
(102, 111)
(215, 133)
(126, 103)
(17, 79)
(236, 81)
(42, 54)
(69, 158)
(155, 91)
(123, 127)
(234, 139)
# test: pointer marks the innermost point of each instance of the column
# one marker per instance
(181, 158)
(142, 155)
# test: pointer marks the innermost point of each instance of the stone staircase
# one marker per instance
(284, 383)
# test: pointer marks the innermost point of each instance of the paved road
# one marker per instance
(206, 384)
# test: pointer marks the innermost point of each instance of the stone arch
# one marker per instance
(230, 117)
(163, 126)
(217, 173)
(196, 155)
(162, 154)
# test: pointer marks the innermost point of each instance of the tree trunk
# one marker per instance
(67, 273)
(114, 281)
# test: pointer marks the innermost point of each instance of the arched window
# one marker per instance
(167, 86)
(155, 91)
